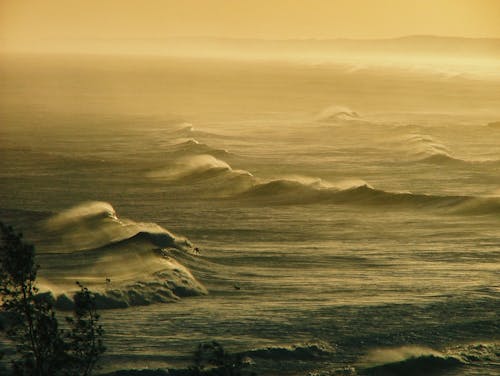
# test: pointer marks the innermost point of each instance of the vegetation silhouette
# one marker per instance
(211, 359)
(42, 348)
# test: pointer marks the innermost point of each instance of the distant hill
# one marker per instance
(223, 47)
(421, 44)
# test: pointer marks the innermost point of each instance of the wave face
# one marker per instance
(187, 130)
(220, 179)
(192, 147)
(425, 148)
(206, 169)
(290, 192)
(95, 224)
(308, 351)
(336, 114)
(415, 365)
(124, 262)
(415, 360)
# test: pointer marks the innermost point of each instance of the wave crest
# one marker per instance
(203, 168)
(307, 351)
(425, 148)
(192, 146)
(333, 114)
(408, 360)
(219, 176)
(124, 262)
(95, 224)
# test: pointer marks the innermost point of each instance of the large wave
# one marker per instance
(424, 148)
(95, 224)
(336, 114)
(192, 146)
(221, 178)
(408, 360)
(187, 130)
(295, 192)
(415, 360)
(122, 261)
(306, 351)
(202, 168)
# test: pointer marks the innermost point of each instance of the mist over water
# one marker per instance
(317, 217)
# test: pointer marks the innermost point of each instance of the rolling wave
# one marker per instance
(124, 262)
(193, 147)
(187, 130)
(409, 360)
(336, 114)
(308, 351)
(293, 192)
(442, 159)
(425, 148)
(96, 224)
(218, 176)
(221, 177)
(414, 360)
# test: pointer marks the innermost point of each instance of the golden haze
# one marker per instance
(34, 23)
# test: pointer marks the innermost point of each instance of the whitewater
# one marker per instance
(325, 219)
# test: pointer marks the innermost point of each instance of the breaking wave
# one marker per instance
(308, 351)
(441, 159)
(218, 176)
(425, 148)
(187, 130)
(206, 168)
(193, 147)
(124, 262)
(294, 192)
(484, 353)
(96, 224)
(336, 114)
(287, 191)
(409, 360)
(414, 360)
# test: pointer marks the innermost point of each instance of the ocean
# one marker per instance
(318, 218)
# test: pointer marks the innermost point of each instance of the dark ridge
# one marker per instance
(415, 366)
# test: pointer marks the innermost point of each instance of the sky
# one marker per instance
(25, 22)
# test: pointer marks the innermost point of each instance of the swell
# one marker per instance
(424, 148)
(192, 147)
(95, 224)
(446, 159)
(124, 262)
(428, 364)
(414, 360)
(293, 192)
(187, 130)
(219, 179)
(339, 114)
(205, 168)
(307, 351)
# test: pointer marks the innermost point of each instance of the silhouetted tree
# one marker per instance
(211, 359)
(86, 335)
(33, 325)
(43, 349)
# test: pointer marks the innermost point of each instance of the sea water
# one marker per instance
(314, 217)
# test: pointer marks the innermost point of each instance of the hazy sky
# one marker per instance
(25, 21)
